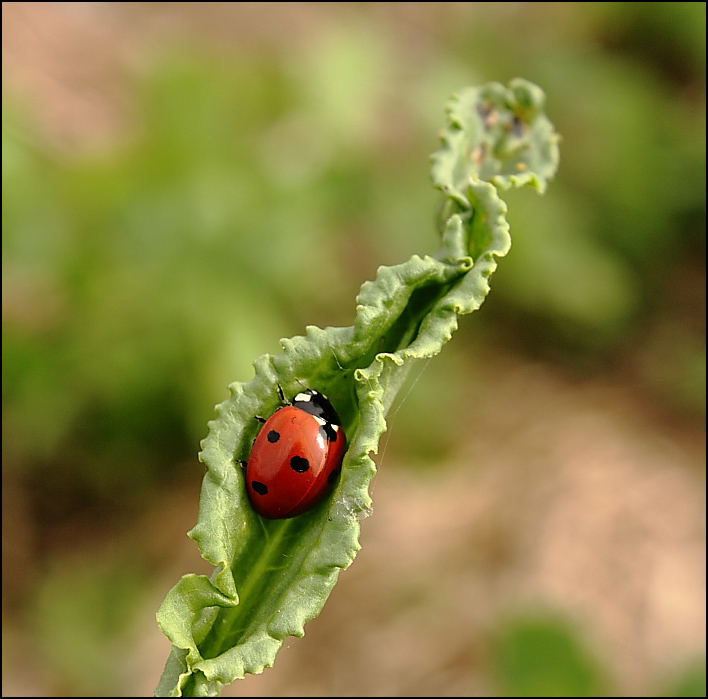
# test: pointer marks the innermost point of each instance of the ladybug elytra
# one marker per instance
(296, 457)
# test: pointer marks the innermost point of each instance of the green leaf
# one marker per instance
(498, 134)
(272, 576)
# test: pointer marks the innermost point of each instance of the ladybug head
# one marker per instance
(316, 404)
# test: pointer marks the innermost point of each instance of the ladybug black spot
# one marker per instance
(260, 488)
(299, 464)
(334, 475)
(273, 436)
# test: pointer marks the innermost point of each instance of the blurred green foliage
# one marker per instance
(84, 611)
(259, 188)
(690, 682)
(542, 655)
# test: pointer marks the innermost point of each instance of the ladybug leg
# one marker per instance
(260, 419)
(281, 394)
(241, 463)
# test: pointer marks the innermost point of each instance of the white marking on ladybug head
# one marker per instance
(303, 397)
(320, 421)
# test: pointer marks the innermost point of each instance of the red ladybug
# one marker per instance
(296, 457)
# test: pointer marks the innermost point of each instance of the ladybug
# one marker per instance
(296, 457)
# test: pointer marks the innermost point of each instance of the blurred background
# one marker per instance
(185, 183)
